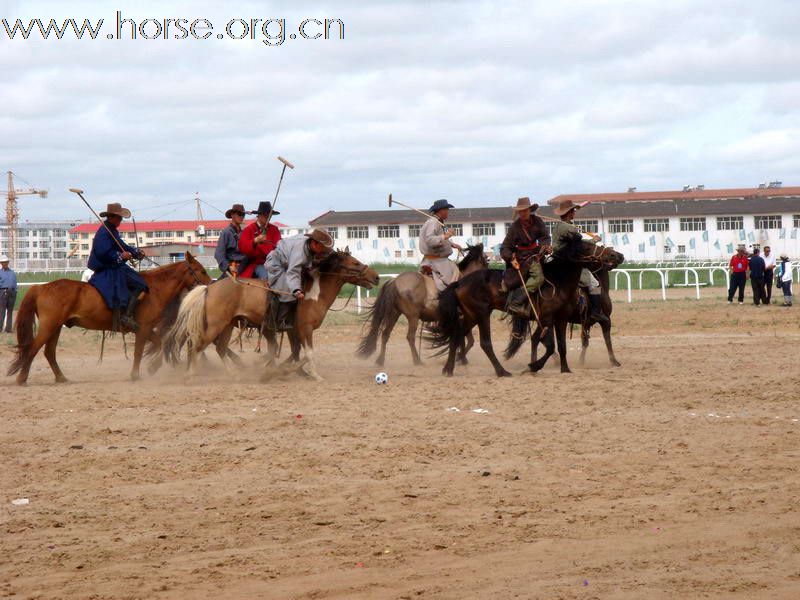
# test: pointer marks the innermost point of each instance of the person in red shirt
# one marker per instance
(258, 239)
(739, 263)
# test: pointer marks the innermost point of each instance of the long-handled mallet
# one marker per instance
(530, 301)
(286, 163)
(422, 212)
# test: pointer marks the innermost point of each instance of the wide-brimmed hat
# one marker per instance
(115, 208)
(784, 256)
(562, 207)
(439, 205)
(3, 258)
(236, 208)
(323, 237)
(525, 204)
(264, 208)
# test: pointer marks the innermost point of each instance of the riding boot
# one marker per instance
(517, 304)
(128, 320)
(596, 313)
(286, 314)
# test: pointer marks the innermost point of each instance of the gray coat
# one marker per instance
(228, 250)
(285, 265)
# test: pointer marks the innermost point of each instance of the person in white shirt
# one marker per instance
(785, 279)
(769, 272)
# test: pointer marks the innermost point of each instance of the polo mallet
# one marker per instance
(530, 301)
(422, 212)
(286, 163)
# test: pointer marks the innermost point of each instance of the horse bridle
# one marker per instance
(191, 270)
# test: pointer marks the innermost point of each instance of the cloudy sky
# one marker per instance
(477, 102)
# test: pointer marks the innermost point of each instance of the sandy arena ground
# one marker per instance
(674, 476)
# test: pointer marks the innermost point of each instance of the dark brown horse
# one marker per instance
(557, 310)
(72, 303)
(413, 295)
(471, 300)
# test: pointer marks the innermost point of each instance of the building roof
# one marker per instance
(403, 217)
(161, 226)
(691, 194)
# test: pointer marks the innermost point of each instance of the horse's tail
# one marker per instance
(520, 331)
(378, 315)
(26, 319)
(190, 324)
(449, 329)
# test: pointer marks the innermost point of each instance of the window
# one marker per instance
(179, 234)
(768, 222)
(398, 254)
(620, 226)
(457, 228)
(84, 246)
(35, 244)
(84, 236)
(410, 253)
(59, 232)
(43, 233)
(654, 225)
(796, 221)
(149, 234)
(508, 227)
(358, 232)
(667, 250)
(693, 223)
(681, 249)
(388, 231)
(163, 234)
(481, 229)
(413, 230)
(588, 225)
(59, 255)
(60, 244)
(333, 232)
(22, 255)
(730, 223)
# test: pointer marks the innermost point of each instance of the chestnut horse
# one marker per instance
(208, 314)
(72, 303)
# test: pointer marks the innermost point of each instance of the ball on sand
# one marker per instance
(381, 379)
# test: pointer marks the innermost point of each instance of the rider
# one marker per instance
(258, 239)
(527, 239)
(436, 246)
(285, 270)
(227, 253)
(566, 210)
(120, 286)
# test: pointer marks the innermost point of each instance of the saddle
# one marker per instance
(511, 280)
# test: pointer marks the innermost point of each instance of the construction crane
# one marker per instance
(12, 212)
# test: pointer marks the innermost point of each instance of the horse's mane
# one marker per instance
(473, 253)
(563, 261)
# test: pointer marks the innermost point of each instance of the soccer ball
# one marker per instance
(381, 379)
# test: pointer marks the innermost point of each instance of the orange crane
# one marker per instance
(12, 212)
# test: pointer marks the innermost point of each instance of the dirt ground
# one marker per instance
(674, 476)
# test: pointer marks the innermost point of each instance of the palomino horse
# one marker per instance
(68, 302)
(560, 307)
(471, 300)
(208, 314)
(414, 295)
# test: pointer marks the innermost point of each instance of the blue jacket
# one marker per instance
(756, 267)
(112, 277)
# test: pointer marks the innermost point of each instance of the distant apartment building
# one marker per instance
(39, 239)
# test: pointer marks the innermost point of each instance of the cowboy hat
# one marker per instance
(562, 207)
(3, 258)
(439, 205)
(115, 208)
(264, 208)
(323, 237)
(236, 208)
(525, 204)
(784, 256)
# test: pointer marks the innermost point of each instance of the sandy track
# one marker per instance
(607, 483)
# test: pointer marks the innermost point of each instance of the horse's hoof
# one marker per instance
(566, 371)
(504, 373)
(61, 379)
(535, 367)
(464, 361)
(616, 363)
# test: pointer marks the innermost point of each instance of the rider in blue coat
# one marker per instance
(120, 286)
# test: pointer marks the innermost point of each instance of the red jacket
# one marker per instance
(257, 252)
(738, 263)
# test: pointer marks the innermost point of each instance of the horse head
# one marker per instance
(346, 266)
(195, 272)
(474, 257)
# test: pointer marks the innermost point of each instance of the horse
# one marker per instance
(413, 295)
(582, 318)
(561, 307)
(73, 303)
(471, 300)
(208, 314)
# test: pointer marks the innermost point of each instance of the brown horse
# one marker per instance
(413, 295)
(72, 303)
(562, 308)
(208, 314)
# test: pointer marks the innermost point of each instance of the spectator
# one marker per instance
(8, 293)
(785, 279)
(738, 274)
(757, 277)
(769, 273)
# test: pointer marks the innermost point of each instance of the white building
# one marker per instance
(39, 240)
(645, 226)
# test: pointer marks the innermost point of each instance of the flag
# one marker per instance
(615, 240)
(794, 233)
(400, 243)
(717, 245)
(358, 245)
(641, 247)
(705, 236)
(625, 239)
(692, 243)
(374, 244)
(730, 248)
(751, 237)
(670, 243)
(201, 249)
(386, 252)
(469, 241)
(485, 241)
(782, 234)
(412, 244)
(652, 240)
(741, 234)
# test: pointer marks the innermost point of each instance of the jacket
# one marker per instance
(756, 267)
(285, 265)
(523, 237)
(432, 241)
(257, 253)
(228, 249)
(112, 277)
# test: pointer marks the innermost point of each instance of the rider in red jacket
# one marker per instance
(258, 239)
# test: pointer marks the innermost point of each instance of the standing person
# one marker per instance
(120, 286)
(227, 253)
(258, 239)
(285, 267)
(527, 239)
(8, 293)
(738, 266)
(757, 277)
(436, 247)
(785, 279)
(769, 272)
